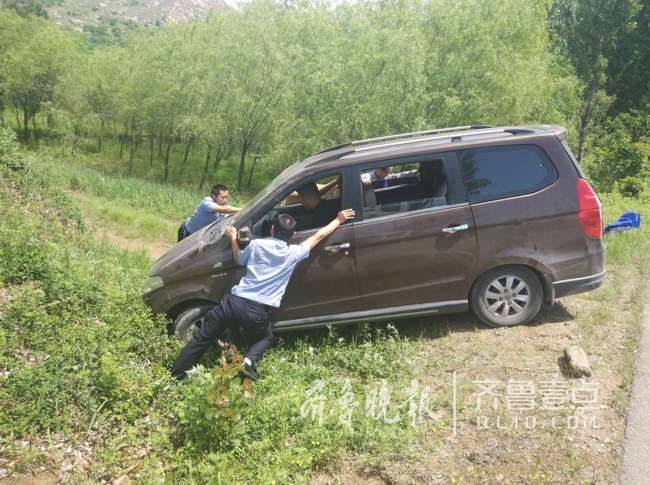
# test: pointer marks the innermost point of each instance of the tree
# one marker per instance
(628, 74)
(25, 8)
(33, 61)
(589, 31)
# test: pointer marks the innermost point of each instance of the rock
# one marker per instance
(494, 453)
(577, 361)
(123, 480)
(473, 457)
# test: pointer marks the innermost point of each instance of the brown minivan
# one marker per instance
(498, 220)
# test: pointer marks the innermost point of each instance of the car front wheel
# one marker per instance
(189, 321)
(507, 296)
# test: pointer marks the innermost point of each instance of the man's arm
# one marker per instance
(330, 228)
(292, 198)
(330, 187)
(225, 209)
(231, 233)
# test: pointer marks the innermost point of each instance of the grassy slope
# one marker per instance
(84, 362)
(128, 206)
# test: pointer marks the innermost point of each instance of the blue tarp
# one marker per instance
(629, 220)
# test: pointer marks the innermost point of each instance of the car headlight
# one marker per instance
(152, 283)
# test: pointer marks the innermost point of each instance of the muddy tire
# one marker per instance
(507, 296)
(189, 321)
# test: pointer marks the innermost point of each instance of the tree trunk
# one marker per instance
(242, 164)
(205, 170)
(122, 138)
(99, 146)
(34, 125)
(586, 117)
(2, 115)
(76, 140)
(250, 177)
(151, 149)
(133, 127)
(49, 126)
(187, 151)
(26, 123)
(160, 141)
(169, 145)
(18, 121)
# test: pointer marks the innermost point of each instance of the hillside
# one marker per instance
(97, 12)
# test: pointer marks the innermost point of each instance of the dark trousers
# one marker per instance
(232, 311)
(182, 232)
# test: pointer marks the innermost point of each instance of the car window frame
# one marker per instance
(282, 193)
(455, 181)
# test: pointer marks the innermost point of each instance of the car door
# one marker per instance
(410, 251)
(326, 282)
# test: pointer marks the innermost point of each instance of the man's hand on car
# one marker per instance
(231, 233)
(345, 215)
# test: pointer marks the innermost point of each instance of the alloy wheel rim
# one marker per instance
(507, 297)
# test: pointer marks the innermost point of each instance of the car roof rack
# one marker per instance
(433, 131)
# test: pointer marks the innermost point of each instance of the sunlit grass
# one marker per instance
(128, 205)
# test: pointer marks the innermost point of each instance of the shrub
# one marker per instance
(21, 262)
(630, 187)
(623, 153)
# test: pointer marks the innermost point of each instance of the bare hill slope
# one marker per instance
(97, 12)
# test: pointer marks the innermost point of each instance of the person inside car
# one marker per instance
(323, 210)
(269, 264)
(211, 209)
(385, 173)
(332, 186)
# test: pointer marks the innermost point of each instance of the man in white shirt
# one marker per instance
(269, 263)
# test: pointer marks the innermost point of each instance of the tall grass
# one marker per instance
(167, 201)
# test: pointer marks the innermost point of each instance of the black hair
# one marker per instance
(310, 189)
(283, 227)
(217, 189)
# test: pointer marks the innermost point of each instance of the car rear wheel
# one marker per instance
(189, 321)
(507, 296)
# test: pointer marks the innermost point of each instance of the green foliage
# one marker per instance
(25, 8)
(215, 417)
(274, 82)
(631, 186)
(622, 158)
(228, 394)
(21, 262)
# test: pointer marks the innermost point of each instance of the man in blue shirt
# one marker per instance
(211, 209)
(269, 263)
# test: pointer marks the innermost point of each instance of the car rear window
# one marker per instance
(500, 172)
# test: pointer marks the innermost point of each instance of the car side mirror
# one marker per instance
(244, 236)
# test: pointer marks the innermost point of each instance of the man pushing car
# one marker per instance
(269, 264)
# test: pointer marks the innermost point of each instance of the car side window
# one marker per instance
(500, 172)
(312, 204)
(391, 190)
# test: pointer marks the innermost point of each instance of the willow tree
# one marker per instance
(260, 60)
(34, 55)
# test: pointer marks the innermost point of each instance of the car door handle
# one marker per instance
(337, 247)
(452, 230)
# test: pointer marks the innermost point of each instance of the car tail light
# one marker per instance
(590, 215)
